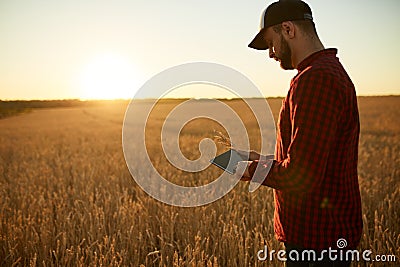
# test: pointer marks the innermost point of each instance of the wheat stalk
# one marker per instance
(222, 139)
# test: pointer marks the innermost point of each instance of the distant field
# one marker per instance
(67, 198)
(11, 108)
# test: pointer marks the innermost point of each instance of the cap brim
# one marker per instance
(259, 42)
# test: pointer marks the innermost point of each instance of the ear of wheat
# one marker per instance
(222, 139)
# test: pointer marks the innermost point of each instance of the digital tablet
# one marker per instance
(227, 160)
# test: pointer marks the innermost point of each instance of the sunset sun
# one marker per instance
(108, 76)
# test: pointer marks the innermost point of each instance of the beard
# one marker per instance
(285, 55)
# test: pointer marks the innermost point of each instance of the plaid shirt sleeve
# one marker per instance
(313, 115)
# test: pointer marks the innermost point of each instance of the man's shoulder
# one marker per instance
(323, 78)
(326, 68)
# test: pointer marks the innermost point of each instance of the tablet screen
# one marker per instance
(227, 160)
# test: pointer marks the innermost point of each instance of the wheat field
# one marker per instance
(68, 199)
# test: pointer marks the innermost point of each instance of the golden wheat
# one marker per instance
(67, 198)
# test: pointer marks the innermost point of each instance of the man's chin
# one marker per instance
(286, 66)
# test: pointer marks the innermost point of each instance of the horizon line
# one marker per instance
(167, 98)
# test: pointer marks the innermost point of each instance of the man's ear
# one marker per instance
(288, 29)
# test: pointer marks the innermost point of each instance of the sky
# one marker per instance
(53, 49)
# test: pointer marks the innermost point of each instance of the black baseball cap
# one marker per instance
(278, 12)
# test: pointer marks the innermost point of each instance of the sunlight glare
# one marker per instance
(109, 76)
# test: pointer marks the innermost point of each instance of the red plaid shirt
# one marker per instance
(317, 197)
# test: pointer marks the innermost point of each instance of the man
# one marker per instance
(314, 173)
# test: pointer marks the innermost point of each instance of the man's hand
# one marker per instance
(253, 155)
(250, 155)
(242, 168)
(246, 169)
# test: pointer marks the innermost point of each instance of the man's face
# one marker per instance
(279, 48)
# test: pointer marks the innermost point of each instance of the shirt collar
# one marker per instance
(311, 58)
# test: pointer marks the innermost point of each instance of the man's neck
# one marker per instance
(305, 50)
